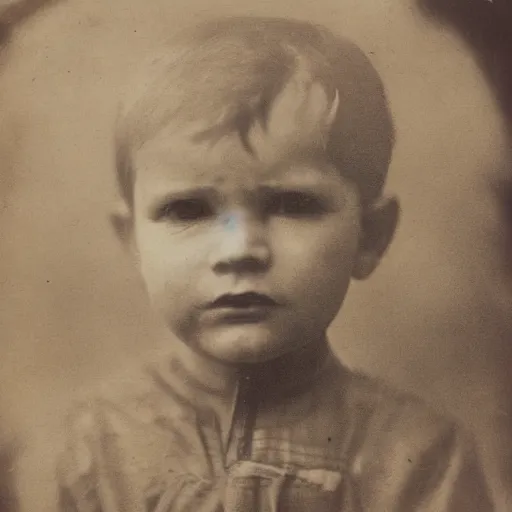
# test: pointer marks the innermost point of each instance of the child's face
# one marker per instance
(245, 259)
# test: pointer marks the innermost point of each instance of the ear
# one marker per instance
(378, 225)
(122, 222)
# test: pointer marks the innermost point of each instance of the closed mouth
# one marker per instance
(243, 301)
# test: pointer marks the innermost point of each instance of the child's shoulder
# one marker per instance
(135, 393)
(128, 412)
(395, 425)
(376, 398)
(130, 393)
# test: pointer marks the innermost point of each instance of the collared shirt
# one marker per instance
(305, 435)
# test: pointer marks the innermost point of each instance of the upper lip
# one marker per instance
(242, 300)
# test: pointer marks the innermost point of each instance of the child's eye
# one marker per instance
(186, 210)
(294, 204)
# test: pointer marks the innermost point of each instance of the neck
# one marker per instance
(286, 374)
(210, 385)
(213, 376)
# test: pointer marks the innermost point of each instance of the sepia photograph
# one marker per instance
(255, 256)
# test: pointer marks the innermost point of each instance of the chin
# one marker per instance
(243, 346)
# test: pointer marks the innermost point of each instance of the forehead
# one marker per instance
(176, 158)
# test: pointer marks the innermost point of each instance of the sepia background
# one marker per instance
(435, 319)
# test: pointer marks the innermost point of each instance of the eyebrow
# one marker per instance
(181, 193)
(306, 181)
(187, 191)
(265, 187)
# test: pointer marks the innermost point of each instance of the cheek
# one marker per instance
(331, 277)
(324, 251)
(319, 267)
(332, 274)
(167, 261)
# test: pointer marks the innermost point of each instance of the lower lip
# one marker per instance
(249, 314)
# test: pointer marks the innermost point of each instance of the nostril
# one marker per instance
(245, 265)
(241, 246)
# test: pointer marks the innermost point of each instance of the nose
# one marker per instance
(242, 246)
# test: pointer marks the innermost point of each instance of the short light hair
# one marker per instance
(226, 74)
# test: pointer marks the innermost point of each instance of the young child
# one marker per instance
(251, 157)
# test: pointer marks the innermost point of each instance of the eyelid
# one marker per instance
(294, 203)
(158, 208)
(324, 198)
(319, 196)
